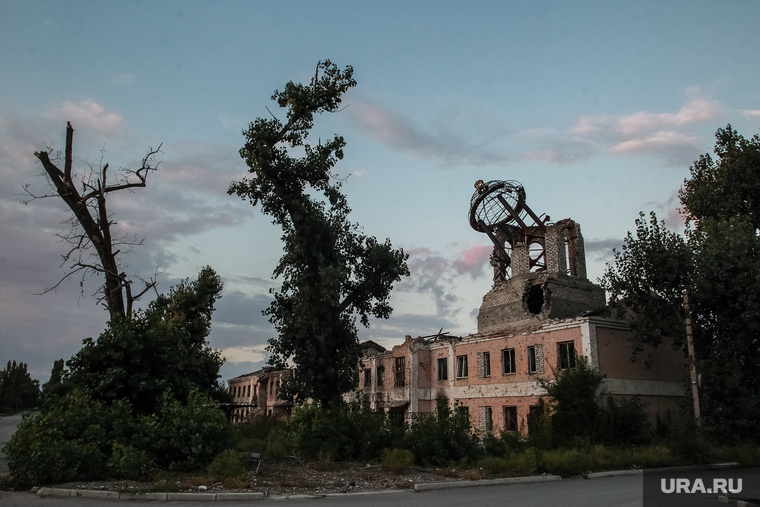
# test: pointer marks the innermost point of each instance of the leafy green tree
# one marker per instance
(163, 348)
(17, 388)
(330, 271)
(718, 262)
(646, 283)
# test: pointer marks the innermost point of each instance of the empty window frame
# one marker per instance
(487, 423)
(510, 418)
(486, 364)
(367, 378)
(462, 366)
(380, 375)
(532, 359)
(443, 368)
(565, 355)
(399, 370)
(508, 366)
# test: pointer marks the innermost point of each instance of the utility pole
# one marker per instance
(692, 358)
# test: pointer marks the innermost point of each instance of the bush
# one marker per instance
(185, 437)
(566, 463)
(341, 432)
(397, 460)
(523, 464)
(493, 465)
(78, 438)
(445, 438)
(227, 465)
(126, 462)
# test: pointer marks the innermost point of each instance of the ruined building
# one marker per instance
(539, 312)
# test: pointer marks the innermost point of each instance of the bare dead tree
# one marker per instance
(91, 225)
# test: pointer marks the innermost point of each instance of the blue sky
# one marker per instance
(597, 108)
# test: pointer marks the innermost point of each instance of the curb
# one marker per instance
(115, 495)
(613, 473)
(429, 486)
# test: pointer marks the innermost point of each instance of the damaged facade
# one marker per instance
(540, 312)
(255, 394)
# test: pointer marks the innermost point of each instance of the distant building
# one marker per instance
(255, 394)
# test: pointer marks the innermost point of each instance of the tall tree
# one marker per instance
(17, 388)
(719, 263)
(330, 271)
(91, 223)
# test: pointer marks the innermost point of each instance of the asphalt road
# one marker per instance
(623, 491)
(7, 427)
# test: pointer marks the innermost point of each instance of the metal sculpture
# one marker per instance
(498, 209)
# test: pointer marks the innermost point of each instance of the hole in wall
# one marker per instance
(535, 299)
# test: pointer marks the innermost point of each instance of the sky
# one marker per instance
(597, 108)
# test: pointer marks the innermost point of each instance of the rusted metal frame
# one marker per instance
(538, 221)
(493, 239)
(534, 262)
(512, 212)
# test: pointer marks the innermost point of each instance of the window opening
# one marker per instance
(532, 359)
(508, 361)
(510, 418)
(566, 353)
(486, 364)
(443, 368)
(488, 423)
(367, 378)
(380, 375)
(400, 371)
(462, 367)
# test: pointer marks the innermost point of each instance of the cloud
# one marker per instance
(602, 245)
(473, 260)
(400, 134)
(667, 135)
(245, 354)
(90, 115)
(434, 274)
(751, 113)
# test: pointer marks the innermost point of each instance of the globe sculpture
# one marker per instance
(498, 209)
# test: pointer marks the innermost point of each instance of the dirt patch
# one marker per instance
(288, 477)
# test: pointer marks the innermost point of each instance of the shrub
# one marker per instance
(78, 438)
(226, 465)
(493, 465)
(565, 462)
(445, 438)
(276, 450)
(340, 432)
(525, 463)
(126, 462)
(185, 437)
(397, 460)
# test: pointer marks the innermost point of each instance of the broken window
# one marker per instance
(510, 418)
(367, 378)
(380, 375)
(487, 423)
(399, 372)
(487, 365)
(532, 359)
(249, 390)
(443, 368)
(462, 367)
(508, 361)
(566, 355)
